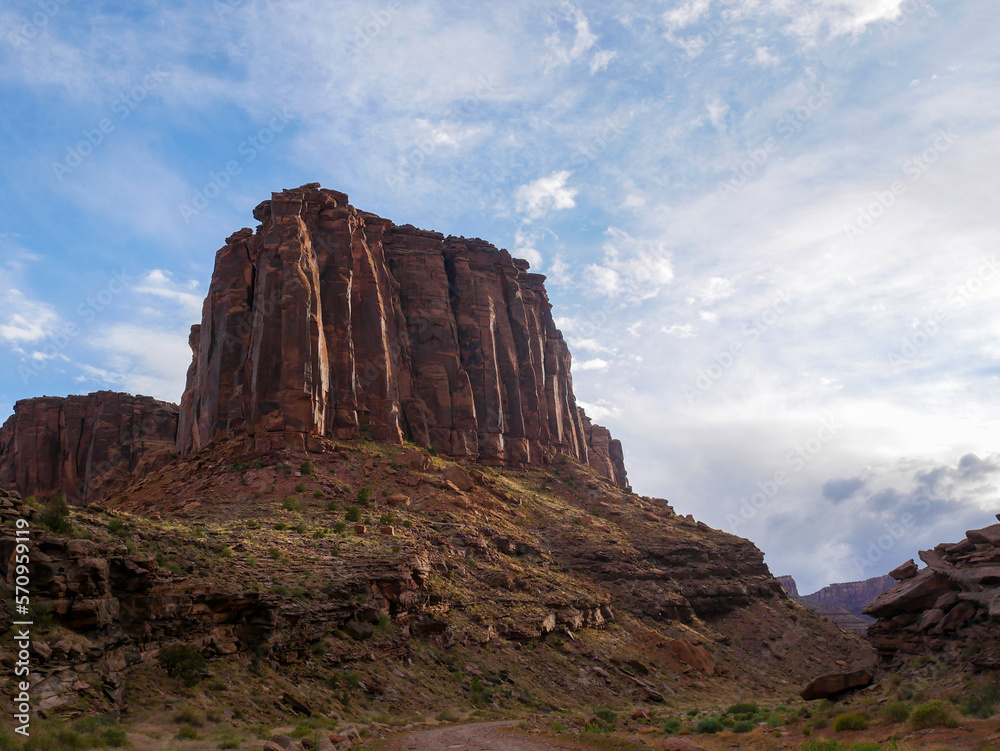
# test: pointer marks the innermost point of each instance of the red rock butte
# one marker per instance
(327, 322)
(330, 322)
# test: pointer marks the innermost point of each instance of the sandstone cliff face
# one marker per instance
(85, 446)
(853, 597)
(330, 322)
(950, 608)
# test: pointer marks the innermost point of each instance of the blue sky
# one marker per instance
(769, 226)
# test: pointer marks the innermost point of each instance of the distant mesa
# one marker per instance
(842, 603)
(327, 322)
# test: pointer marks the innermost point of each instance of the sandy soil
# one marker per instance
(493, 736)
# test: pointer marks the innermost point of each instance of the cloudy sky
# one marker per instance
(770, 226)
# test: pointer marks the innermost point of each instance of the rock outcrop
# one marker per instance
(848, 593)
(949, 608)
(85, 446)
(788, 584)
(330, 322)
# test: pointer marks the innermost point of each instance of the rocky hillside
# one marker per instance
(948, 609)
(421, 579)
(330, 322)
(85, 446)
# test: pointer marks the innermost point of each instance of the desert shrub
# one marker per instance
(280, 526)
(897, 711)
(819, 723)
(932, 714)
(253, 524)
(188, 716)
(187, 733)
(851, 721)
(306, 468)
(693, 712)
(183, 663)
(353, 514)
(821, 744)
(743, 726)
(743, 708)
(709, 725)
(672, 726)
(291, 503)
(318, 493)
(56, 515)
(981, 701)
(364, 496)
(388, 519)
(775, 720)
(301, 488)
(607, 721)
(340, 528)
(117, 527)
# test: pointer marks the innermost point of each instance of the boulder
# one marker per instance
(692, 655)
(910, 595)
(988, 536)
(459, 478)
(834, 684)
(904, 571)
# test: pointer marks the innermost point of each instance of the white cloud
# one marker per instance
(160, 283)
(599, 410)
(717, 111)
(595, 364)
(23, 320)
(632, 268)
(679, 330)
(764, 57)
(601, 60)
(583, 38)
(686, 12)
(541, 197)
(140, 360)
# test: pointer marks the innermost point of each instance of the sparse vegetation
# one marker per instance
(183, 663)
(851, 721)
(306, 468)
(56, 514)
(291, 503)
(709, 726)
(932, 714)
(353, 514)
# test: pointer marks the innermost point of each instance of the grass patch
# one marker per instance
(932, 714)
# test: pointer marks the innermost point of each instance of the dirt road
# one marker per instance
(493, 736)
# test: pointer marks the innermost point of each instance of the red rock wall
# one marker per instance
(85, 446)
(328, 321)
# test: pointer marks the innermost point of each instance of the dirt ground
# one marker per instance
(493, 736)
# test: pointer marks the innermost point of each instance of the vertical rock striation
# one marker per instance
(85, 446)
(330, 322)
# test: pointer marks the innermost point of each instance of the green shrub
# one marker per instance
(353, 514)
(306, 468)
(608, 718)
(821, 744)
(932, 714)
(186, 733)
(981, 701)
(253, 524)
(742, 709)
(291, 503)
(56, 515)
(183, 663)
(743, 726)
(364, 496)
(851, 721)
(819, 723)
(117, 527)
(340, 528)
(318, 493)
(387, 519)
(897, 711)
(672, 725)
(709, 726)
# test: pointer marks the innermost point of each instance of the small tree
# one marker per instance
(56, 515)
(183, 663)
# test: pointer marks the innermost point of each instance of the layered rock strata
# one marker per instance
(85, 446)
(951, 607)
(330, 322)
